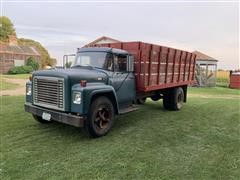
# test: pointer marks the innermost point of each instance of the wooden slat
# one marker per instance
(180, 63)
(194, 66)
(184, 69)
(149, 65)
(189, 69)
(159, 65)
(174, 59)
(167, 66)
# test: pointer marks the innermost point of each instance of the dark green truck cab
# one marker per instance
(104, 82)
(101, 83)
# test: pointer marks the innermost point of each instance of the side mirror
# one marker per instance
(130, 63)
(67, 60)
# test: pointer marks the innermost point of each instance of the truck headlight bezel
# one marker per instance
(28, 90)
(77, 97)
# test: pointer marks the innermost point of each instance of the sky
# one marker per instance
(62, 27)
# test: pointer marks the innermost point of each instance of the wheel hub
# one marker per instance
(102, 118)
(180, 100)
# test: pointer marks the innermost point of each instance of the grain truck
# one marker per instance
(109, 80)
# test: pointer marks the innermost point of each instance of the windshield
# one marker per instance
(101, 60)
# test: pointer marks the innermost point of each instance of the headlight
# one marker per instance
(28, 90)
(77, 97)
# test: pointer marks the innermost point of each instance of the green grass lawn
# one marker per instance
(199, 142)
(4, 85)
(218, 90)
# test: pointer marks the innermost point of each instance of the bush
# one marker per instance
(20, 70)
(33, 63)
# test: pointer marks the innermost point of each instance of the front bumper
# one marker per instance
(77, 121)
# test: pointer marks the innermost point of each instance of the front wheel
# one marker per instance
(101, 117)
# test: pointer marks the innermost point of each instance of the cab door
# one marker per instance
(123, 81)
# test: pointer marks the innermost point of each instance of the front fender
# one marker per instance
(92, 90)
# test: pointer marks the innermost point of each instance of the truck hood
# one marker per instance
(76, 74)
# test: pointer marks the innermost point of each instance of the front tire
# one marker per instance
(173, 99)
(100, 118)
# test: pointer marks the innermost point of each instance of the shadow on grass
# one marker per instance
(121, 122)
(60, 129)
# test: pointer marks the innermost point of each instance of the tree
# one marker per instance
(33, 63)
(54, 61)
(6, 28)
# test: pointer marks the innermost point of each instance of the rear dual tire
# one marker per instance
(173, 99)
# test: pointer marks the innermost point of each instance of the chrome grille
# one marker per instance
(48, 92)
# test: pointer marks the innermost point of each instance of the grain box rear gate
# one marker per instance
(158, 67)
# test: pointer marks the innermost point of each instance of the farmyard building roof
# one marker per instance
(18, 49)
(203, 57)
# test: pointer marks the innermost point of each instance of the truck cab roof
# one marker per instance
(103, 49)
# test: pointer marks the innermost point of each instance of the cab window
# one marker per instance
(120, 62)
(101, 60)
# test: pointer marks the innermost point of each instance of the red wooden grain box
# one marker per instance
(158, 67)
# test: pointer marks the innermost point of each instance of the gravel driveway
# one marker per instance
(20, 90)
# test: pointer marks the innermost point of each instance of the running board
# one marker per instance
(128, 109)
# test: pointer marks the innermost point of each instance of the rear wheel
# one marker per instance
(141, 100)
(173, 99)
(101, 117)
(40, 119)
